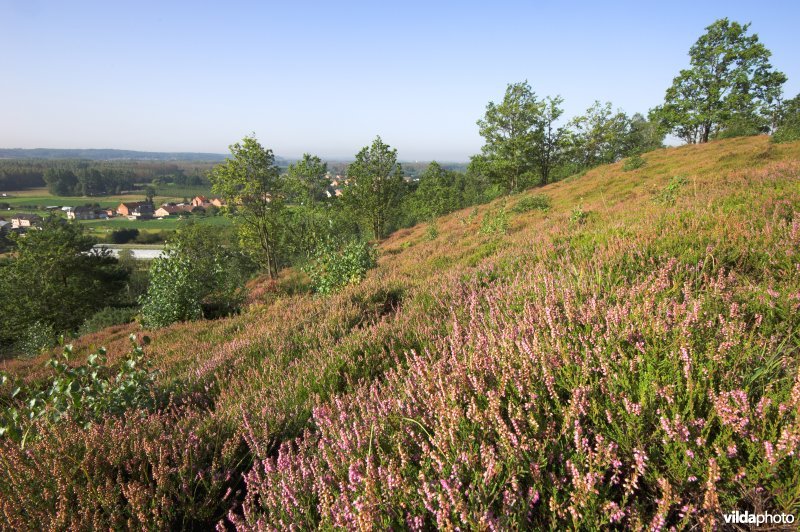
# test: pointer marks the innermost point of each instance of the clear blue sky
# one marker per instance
(327, 77)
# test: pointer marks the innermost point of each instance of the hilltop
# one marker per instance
(620, 351)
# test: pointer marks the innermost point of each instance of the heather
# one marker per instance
(625, 358)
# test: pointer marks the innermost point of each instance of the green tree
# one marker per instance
(150, 193)
(375, 186)
(600, 136)
(306, 180)
(252, 187)
(643, 136)
(437, 192)
(196, 277)
(521, 139)
(56, 279)
(730, 81)
(789, 121)
(60, 181)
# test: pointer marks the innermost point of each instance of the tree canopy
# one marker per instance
(730, 81)
(374, 186)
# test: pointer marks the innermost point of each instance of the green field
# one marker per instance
(102, 227)
(40, 197)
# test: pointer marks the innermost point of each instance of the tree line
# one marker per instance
(92, 178)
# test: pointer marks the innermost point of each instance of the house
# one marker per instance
(169, 210)
(86, 213)
(142, 212)
(200, 201)
(25, 220)
(132, 207)
(5, 227)
(111, 212)
(217, 202)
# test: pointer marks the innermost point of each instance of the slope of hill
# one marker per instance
(626, 358)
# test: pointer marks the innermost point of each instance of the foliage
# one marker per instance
(375, 186)
(37, 337)
(521, 139)
(669, 193)
(634, 162)
(195, 277)
(578, 215)
(174, 293)
(730, 81)
(123, 236)
(84, 393)
(495, 221)
(57, 279)
(334, 267)
(534, 202)
(108, 317)
(789, 124)
(306, 180)
(251, 185)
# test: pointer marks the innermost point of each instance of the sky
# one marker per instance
(327, 77)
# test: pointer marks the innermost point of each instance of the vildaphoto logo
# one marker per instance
(747, 518)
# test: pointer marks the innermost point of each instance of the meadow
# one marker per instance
(623, 355)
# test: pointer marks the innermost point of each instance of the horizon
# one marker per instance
(173, 79)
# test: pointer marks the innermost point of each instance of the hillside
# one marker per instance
(628, 357)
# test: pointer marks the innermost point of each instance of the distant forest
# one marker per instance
(95, 178)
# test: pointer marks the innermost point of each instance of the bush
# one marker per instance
(578, 216)
(432, 231)
(669, 194)
(108, 317)
(536, 202)
(789, 132)
(123, 236)
(174, 292)
(334, 268)
(495, 221)
(149, 238)
(85, 392)
(37, 337)
(633, 162)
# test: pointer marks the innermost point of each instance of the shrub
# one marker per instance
(333, 268)
(432, 231)
(37, 337)
(123, 236)
(108, 317)
(174, 292)
(149, 238)
(84, 392)
(495, 221)
(536, 202)
(633, 162)
(789, 132)
(578, 216)
(669, 194)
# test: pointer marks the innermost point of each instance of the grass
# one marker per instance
(100, 227)
(637, 368)
(40, 197)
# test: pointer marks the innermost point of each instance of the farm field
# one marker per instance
(40, 197)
